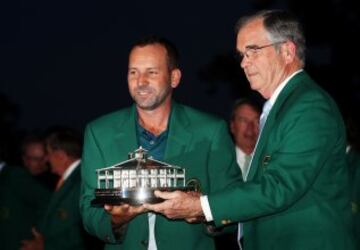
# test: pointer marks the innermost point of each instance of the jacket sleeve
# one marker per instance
(223, 171)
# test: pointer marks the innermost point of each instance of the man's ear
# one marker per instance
(175, 77)
(289, 51)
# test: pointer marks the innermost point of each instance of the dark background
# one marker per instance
(65, 62)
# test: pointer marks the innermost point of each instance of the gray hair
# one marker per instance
(281, 26)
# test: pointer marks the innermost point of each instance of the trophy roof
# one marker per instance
(139, 159)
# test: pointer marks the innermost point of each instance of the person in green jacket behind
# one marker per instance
(296, 194)
(61, 226)
(353, 161)
(22, 202)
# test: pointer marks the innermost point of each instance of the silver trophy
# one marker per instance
(134, 181)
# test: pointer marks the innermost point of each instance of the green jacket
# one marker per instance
(22, 202)
(198, 142)
(353, 160)
(62, 226)
(297, 195)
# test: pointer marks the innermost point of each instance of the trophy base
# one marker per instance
(132, 196)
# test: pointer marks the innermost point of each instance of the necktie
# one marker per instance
(152, 240)
(263, 117)
(264, 114)
(246, 165)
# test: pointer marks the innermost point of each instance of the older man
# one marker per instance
(296, 195)
(61, 226)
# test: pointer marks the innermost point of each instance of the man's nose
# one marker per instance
(143, 80)
(252, 128)
(244, 62)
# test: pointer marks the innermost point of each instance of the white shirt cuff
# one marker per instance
(206, 208)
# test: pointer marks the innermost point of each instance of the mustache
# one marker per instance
(144, 88)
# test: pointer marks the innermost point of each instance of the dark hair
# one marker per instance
(171, 50)
(245, 101)
(281, 25)
(67, 140)
(31, 139)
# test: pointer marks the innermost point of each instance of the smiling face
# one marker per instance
(150, 80)
(245, 127)
(265, 69)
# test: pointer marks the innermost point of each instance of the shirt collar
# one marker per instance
(70, 169)
(239, 151)
(277, 91)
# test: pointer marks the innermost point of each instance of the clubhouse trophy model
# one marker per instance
(134, 181)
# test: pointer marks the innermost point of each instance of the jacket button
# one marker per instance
(266, 160)
(144, 243)
(225, 222)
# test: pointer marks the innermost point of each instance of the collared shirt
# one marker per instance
(277, 91)
(155, 145)
(70, 169)
(204, 199)
(241, 159)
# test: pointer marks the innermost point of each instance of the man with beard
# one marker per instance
(170, 132)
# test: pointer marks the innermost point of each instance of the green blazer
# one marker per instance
(22, 202)
(198, 142)
(353, 159)
(62, 225)
(297, 193)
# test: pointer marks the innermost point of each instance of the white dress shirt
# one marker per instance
(70, 169)
(243, 160)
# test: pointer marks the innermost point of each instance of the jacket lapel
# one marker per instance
(179, 136)
(259, 156)
(125, 135)
(58, 196)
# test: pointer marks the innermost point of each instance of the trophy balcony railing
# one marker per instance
(144, 178)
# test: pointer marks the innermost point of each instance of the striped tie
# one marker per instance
(246, 165)
(264, 114)
(263, 117)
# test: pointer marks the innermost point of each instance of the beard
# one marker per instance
(152, 100)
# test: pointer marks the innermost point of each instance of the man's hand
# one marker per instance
(37, 243)
(178, 205)
(121, 214)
